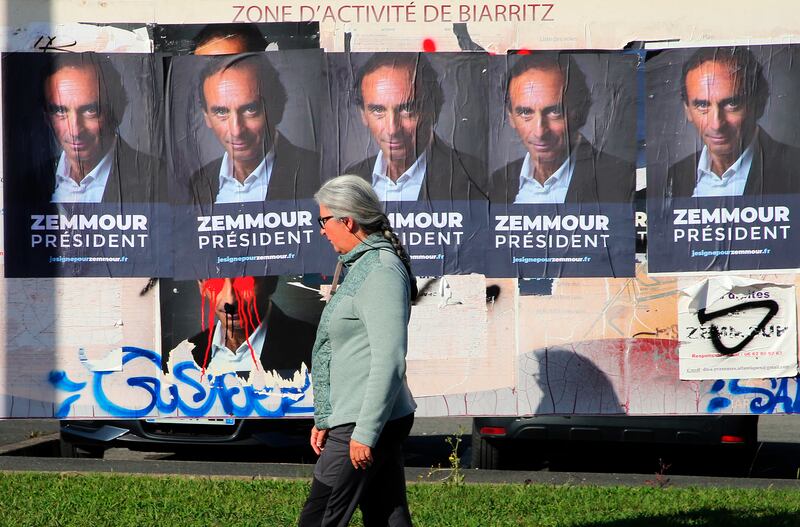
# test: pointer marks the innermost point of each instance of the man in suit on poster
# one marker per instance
(724, 93)
(547, 102)
(399, 99)
(243, 100)
(84, 101)
(246, 325)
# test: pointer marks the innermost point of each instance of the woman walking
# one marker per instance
(363, 409)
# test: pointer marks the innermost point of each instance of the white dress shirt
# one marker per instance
(224, 360)
(733, 180)
(407, 186)
(254, 187)
(555, 187)
(91, 187)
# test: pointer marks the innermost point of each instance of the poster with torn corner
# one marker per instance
(737, 328)
(237, 346)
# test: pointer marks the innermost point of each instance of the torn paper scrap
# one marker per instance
(111, 362)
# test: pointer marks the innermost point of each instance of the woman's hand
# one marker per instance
(360, 455)
(318, 438)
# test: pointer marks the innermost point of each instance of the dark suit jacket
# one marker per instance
(134, 178)
(287, 344)
(450, 175)
(295, 175)
(773, 171)
(598, 177)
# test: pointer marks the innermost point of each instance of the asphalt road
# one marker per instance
(32, 445)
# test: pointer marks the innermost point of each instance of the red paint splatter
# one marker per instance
(244, 289)
(523, 52)
(244, 292)
(428, 45)
(210, 289)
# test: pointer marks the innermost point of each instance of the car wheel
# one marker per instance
(72, 450)
(485, 455)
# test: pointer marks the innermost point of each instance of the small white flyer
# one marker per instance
(737, 328)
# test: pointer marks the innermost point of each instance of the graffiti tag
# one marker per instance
(46, 44)
(782, 395)
(186, 397)
(704, 316)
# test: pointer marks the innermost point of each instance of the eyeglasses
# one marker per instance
(323, 220)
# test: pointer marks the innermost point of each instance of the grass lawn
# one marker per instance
(120, 500)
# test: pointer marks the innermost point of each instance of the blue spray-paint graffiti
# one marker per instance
(202, 397)
(758, 399)
(61, 382)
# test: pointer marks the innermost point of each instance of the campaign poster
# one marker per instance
(243, 134)
(233, 38)
(414, 126)
(239, 346)
(562, 151)
(723, 158)
(83, 165)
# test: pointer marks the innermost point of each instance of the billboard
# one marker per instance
(161, 255)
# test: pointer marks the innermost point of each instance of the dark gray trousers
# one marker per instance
(380, 490)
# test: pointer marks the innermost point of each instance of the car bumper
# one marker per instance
(697, 430)
(169, 435)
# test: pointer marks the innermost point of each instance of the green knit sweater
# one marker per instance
(359, 357)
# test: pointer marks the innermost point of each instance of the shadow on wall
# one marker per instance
(568, 382)
(27, 314)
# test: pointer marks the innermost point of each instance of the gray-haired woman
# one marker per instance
(363, 409)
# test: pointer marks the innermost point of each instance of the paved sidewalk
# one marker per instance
(15, 430)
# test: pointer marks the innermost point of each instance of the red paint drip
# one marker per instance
(244, 292)
(245, 301)
(210, 289)
(245, 289)
(428, 45)
(246, 286)
(202, 311)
